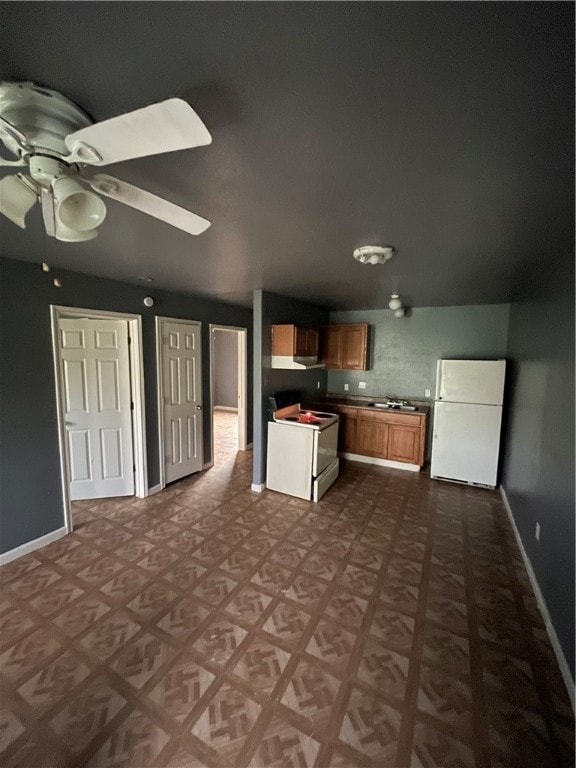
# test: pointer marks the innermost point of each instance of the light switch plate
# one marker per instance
(346, 387)
(361, 385)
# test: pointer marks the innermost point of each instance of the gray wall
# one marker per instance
(539, 456)
(225, 368)
(30, 491)
(403, 351)
(271, 309)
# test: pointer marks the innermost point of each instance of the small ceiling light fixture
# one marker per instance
(45, 267)
(373, 254)
(395, 304)
(148, 301)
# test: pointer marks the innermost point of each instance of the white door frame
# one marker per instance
(242, 334)
(136, 394)
(160, 392)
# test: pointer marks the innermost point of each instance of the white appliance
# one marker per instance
(302, 456)
(467, 420)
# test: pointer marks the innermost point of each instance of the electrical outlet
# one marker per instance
(537, 532)
(426, 393)
(346, 387)
(361, 385)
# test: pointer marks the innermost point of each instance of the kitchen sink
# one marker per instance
(389, 407)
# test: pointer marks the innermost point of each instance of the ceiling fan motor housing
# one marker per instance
(43, 116)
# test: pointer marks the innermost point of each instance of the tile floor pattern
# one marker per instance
(391, 624)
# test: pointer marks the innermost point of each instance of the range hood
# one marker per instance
(295, 362)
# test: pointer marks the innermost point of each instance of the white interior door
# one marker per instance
(181, 393)
(95, 369)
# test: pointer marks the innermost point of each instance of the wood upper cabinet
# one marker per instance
(290, 340)
(332, 347)
(346, 347)
(307, 342)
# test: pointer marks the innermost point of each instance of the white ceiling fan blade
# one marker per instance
(11, 137)
(8, 163)
(163, 127)
(17, 196)
(149, 203)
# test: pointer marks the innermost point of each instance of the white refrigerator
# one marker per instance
(467, 421)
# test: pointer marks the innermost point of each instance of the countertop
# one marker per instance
(367, 402)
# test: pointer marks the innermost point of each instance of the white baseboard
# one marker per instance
(250, 447)
(560, 657)
(31, 546)
(155, 489)
(207, 465)
(225, 408)
(380, 462)
(258, 487)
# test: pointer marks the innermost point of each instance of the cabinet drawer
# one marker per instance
(372, 415)
(403, 418)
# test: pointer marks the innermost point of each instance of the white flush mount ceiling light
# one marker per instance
(395, 304)
(373, 254)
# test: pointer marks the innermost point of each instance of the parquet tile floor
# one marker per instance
(391, 624)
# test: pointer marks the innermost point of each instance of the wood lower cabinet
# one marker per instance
(382, 435)
(372, 438)
(347, 430)
(345, 347)
(405, 443)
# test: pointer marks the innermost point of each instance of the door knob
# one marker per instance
(198, 407)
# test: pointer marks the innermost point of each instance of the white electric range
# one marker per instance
(302, 456)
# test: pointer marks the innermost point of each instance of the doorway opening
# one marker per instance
(98, 371)
(228, 365)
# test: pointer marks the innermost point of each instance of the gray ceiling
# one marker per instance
(443, 129)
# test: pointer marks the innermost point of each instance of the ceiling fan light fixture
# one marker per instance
(16, 199)
(77, 208)
(71, 235)
(373, 254)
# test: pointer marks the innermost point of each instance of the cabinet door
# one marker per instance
(347, 434)
(404, 443)
(372, 438)
(332, 354)
(312, 343)
(354, 347)
(283, 339)
(301, 342)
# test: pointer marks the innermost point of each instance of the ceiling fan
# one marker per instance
(60, 144)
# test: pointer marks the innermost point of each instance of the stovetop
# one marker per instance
(295, 416)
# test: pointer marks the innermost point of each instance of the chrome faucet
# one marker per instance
(394, 402)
